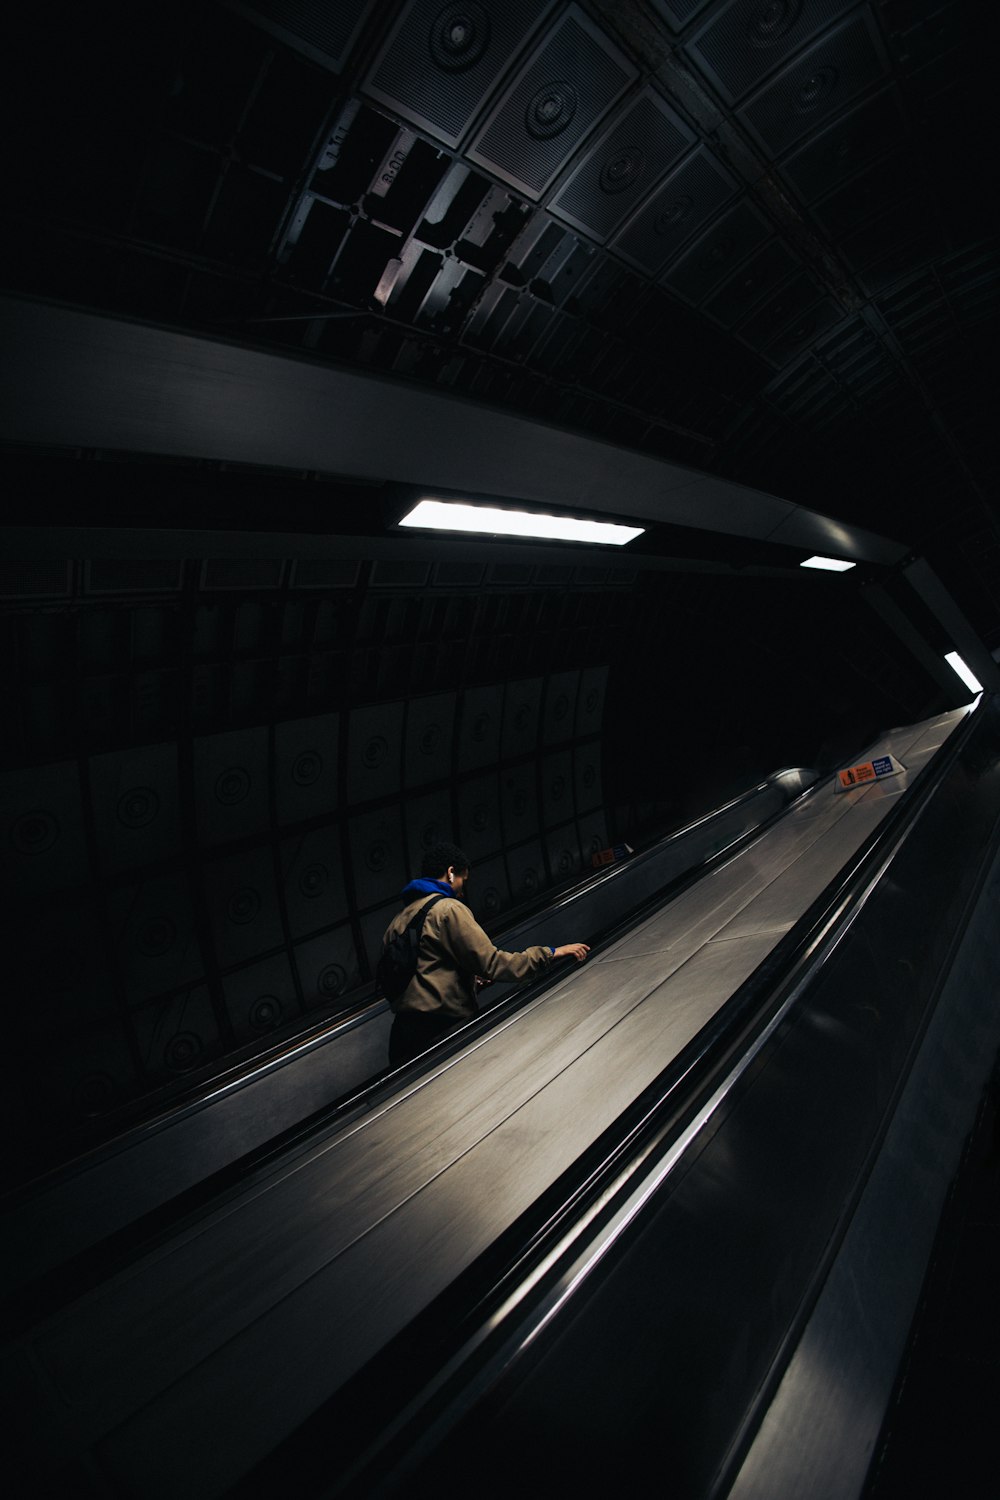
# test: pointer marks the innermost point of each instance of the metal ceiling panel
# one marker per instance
(546, 253)
(526, 872)
(41, 815)
(872, 127)
(441, 62)
(320, 31)
(312, 879)
(870, 193)
(744, 42)
(762, 273)
(399, 573)
(479, 728)
(177, 1034)
(802, 332)
(574, 76)
(375, 744)
(590, 700)
(242, 904)
(430, 726)
(328, 967)
(23, 579)
(624, 165)
(562, 848)
(886, 234)
(323, 573)
(677, 13)
(378, 855)
(897, 260)
(693, 192)
(559, 716)
(733, 236)
(153, 933)
(230, 784)
(261, 998)
(519, 802)
(789, 300)
(815, 85)
(135, 801)
(499, 319)
(913, 246)
(121, 576)
(241, 573)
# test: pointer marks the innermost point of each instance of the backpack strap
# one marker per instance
(416, 922)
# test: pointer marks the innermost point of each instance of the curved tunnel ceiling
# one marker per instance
(727, 264)
(748, 238)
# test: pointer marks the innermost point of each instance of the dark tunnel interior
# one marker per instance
(756, 242)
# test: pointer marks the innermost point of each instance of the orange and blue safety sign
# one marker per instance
(868, 771)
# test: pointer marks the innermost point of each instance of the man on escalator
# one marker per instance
(455, 957)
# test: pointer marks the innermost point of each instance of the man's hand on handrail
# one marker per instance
(578, 951)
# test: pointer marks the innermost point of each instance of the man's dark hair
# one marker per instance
(441, 858)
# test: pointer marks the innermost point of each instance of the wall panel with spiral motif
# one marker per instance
(241, 898)
(430, 724)
(231, 784)
(260, 998)
(136, 806)
(177, 1033)
(181, 896)
(479, 830)
(378, 856)
(481, 715)
(328, 968)
(154, 935)
(41, 816)
(312, 876)
(374, 752)
(306, 753)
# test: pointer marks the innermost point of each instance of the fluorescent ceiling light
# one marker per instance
(958, 665)
(448, 515)
(828, 564)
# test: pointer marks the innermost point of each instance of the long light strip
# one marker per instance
(828, 564)
(958, 665)
(448, 515)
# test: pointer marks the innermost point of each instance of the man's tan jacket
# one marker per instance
(454, 949)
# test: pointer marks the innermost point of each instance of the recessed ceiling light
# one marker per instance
(448, 515)
(958, 665)
(828, 564)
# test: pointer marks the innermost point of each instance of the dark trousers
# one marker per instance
(413, 1031)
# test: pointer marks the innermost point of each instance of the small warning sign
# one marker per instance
(869, 770)
(611, 856)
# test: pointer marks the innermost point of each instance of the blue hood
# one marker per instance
(422, 887)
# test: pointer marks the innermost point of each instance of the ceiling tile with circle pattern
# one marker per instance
(573, 78)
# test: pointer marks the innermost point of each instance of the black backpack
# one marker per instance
(398, 962)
